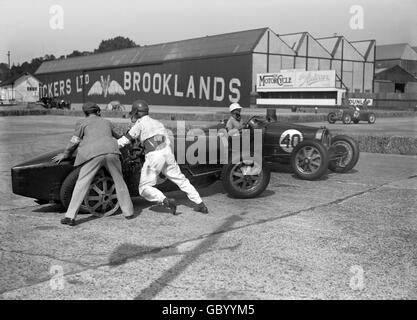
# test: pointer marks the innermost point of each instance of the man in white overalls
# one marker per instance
(158, 158)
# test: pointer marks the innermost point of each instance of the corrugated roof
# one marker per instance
(380, 70)
(217, 45)
(395, 73)
(12, 80)
(395, 51)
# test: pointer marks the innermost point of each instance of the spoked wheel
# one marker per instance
(331, 117)
(346, 152)
(101, 199)
(309, 160)
(347, 119)
(245, 179)
(371, 118)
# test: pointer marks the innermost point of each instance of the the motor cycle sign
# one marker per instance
(294, 79)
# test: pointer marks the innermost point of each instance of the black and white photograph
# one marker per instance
(225, 152)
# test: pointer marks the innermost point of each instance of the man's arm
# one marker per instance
(114, 133)
(129, 137)
(233, 126)
(71, 146)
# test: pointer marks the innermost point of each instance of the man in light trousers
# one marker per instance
(158, 159)
(97, 148)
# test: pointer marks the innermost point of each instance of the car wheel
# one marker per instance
(100, 200)
(331, 117)
(347, 119)
(347, 152)
(371, 118)
(245, 179)
(309, 160)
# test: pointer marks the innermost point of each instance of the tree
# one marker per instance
(4, 71)
(115, 44)
(77, 53)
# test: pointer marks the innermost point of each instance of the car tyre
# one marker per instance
(348, 146)
(331, 117)
(371, 118)
(347, 119)
(101, 199)
(310, 160)
(243, 186)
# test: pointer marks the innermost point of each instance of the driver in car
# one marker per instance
(235, 122)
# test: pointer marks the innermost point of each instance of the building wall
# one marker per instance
(411, 87)
(199, 82)
(25, 89)
(384, 86)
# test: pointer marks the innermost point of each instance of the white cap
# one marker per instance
(234, 106)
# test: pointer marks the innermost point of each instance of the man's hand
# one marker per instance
(59, 157)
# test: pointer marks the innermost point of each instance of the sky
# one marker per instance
(25, 25)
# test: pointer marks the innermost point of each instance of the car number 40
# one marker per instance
(289, 139)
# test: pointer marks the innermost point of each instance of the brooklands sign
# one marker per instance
(215, 83)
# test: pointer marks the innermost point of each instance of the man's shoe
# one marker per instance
(171, 204)
(68, 221)
(129, 217)
(201, 207)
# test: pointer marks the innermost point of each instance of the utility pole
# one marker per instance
(8, 58)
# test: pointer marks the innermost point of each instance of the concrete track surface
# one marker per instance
(347, 236)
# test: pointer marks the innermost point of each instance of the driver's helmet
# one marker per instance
(234, 106)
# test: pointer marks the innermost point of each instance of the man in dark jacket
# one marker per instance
(97, 147)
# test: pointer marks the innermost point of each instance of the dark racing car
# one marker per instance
(352, 114)
(311, 151)
(46, 181)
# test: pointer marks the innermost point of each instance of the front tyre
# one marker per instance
(346, 154)
(100, 200)
(310, 160)
(245, 179)
(347, 119)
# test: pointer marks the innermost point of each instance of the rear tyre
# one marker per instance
(347, 119)
(349, 154)
(331, 117)
(310, 160)
(100, 200)
(241, 185)
(371, 118)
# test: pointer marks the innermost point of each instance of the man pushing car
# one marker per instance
(97, 147)
(158, 159)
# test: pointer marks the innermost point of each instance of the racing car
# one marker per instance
(311, 151)
(352, 114)
(46, 181)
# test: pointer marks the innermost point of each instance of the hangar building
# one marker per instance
(207, 71)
